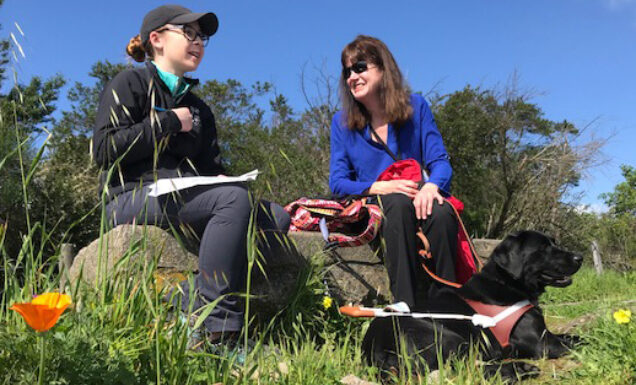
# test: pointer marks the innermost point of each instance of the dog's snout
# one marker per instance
(578, 258)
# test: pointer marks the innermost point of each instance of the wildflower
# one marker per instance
(43, 311)
(622, 316)
(326, 302)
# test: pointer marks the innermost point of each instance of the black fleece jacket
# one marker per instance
(136, 132)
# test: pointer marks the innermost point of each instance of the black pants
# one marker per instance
(219, 216)
(400, 246)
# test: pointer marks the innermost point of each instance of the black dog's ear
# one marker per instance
(507, 255)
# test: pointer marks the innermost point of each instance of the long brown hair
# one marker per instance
(393, 91)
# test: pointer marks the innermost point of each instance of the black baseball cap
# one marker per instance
(176, 14)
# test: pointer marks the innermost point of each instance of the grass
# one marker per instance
(121, 333)
(587, 306)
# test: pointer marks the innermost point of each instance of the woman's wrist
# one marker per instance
(430, 185)
(372, 190)
(378, 188)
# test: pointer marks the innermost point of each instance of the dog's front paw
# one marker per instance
(571, 340)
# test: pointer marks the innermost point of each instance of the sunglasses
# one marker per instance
(357, 67)
(189, 32)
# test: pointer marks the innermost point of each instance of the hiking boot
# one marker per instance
(196, 336)
(229, 346)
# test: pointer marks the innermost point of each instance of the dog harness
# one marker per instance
(499, 319)
(507, 317)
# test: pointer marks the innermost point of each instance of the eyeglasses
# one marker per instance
(357, 67)
(189, 32)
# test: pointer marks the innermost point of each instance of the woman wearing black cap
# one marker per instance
(150, 126)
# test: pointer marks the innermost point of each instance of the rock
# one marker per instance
(283, 368)
(283, 267)
(433, 377)
(131, 241)
(270, 289)
(484, 247)
(353, 274)
(357, 274)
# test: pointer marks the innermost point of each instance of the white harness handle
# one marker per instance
(401, 309)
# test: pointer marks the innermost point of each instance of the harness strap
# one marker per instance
(506, 317)
(512, 309)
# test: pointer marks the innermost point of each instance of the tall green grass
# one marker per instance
(120, 332)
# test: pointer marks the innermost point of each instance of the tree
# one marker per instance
(25, 110)
(623, 199)
(285, 151)
(615, 231)
(512, 167)
(68, 178)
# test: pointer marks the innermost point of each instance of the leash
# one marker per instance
(401, 309)
(425, 251)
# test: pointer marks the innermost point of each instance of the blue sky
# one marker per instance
(579, 55)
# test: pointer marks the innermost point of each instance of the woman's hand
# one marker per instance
(184, 115)
(403, 186)
(424, 200)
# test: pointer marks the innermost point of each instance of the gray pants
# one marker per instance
(219, 215)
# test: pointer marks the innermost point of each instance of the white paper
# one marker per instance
(165, 186)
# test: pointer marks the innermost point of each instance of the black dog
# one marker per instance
(519, 269)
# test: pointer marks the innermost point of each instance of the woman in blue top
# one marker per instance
(375, 97)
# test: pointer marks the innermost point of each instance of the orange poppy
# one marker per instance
(43, 311)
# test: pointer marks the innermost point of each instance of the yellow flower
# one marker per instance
(43, 311)
(326, 302)
(622, 316)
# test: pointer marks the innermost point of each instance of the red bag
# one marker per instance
(408, 169)
(465, 265)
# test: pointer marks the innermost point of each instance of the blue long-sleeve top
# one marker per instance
(357, 160)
